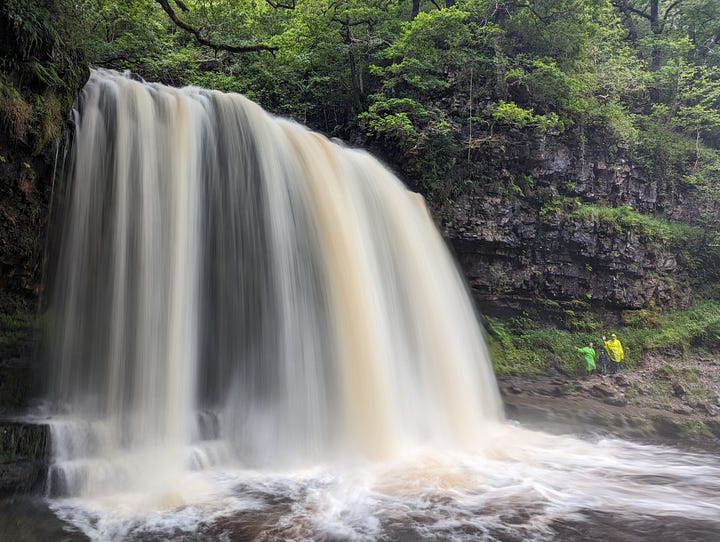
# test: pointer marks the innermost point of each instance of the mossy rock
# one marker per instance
(23, 456)
(16, 387)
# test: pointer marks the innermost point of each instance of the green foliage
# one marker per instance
(15, 112)
(640, 318)
(48, 123)
(555, 205)
(430, 56)
(511, 114)
(394, 119)
(427, 48)
(625, 218)
(41, 69)
(699, 324)
(43, 119)
(510, 356)
(533, 349)
(33, 25)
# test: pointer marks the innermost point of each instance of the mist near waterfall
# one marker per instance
(258, 333)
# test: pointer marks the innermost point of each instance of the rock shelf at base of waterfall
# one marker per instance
(669, 398)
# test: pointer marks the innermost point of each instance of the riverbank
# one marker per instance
(669, 398)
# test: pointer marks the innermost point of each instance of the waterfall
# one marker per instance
(232, 287)
(255, 333)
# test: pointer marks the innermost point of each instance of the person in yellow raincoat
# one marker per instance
(615, 352)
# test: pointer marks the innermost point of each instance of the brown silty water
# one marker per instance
(259, 334)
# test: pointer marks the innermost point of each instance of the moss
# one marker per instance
(17, 319)
(624, 219)
(22, 441)
(26, 115)
(655, 228)
(691, 374)
(48, 122)
(691, 430)
(41, 69)
(661, 391)
(15, 113)
(665, 372)
(574, 315)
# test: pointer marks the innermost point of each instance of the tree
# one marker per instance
(661, 23)
(203, 40)
(651, 11)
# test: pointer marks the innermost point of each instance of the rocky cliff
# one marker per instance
(40, 73)
(573, 223)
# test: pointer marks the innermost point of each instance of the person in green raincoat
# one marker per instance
(615, 352)
(588, 353)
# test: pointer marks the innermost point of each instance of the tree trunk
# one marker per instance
(655, 15)
(415, 9)
(656, 54)
(355, 81)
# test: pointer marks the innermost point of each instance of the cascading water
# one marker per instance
(217, 262)
(243, 312)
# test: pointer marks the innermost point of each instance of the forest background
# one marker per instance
(568, 149)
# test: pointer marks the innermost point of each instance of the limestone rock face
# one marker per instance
(519, 239)
(23, 451)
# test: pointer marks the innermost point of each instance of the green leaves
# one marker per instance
(428, 48)
(513, 115)
(437, 92)
(32, 24)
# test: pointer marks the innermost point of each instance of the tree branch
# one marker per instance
(670, 7)
(346, 21)
(182, 5)
(627, 8)
(289, 4)
(208, 42)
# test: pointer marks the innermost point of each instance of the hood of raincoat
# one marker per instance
(614, 349)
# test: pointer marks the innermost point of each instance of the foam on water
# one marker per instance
(258, 333)
(514, 488)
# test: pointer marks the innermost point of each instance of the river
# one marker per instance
(256, 333)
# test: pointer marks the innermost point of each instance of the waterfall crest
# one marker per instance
(233, 287)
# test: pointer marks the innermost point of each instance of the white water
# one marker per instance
(249, 321)
(517, 487)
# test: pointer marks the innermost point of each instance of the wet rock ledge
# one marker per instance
(24, 445)
(23, 456)
(600, 405)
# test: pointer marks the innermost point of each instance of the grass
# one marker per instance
(625, 218)
(532, 349)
